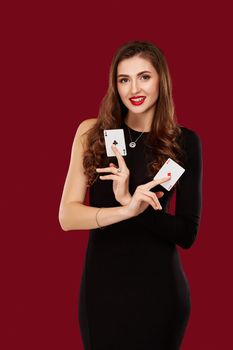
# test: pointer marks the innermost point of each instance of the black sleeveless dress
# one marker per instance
(134, 294)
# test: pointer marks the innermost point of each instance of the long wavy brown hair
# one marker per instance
(163, 136)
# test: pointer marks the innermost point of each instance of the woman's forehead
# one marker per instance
(134, 65)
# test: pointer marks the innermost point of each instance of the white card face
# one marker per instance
(116, 137)
(170, 166)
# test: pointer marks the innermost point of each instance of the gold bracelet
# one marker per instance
(97, 218)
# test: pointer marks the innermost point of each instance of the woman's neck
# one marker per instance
(138, 123)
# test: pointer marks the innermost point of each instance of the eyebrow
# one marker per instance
(125, 75)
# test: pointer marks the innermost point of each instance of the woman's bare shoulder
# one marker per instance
(81, 132)
(85, 125)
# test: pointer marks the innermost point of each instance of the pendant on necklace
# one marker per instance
(132, 144)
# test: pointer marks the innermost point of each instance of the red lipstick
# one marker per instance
(138, 102)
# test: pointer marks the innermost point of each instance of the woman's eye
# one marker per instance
(121, 80)
(146, 76)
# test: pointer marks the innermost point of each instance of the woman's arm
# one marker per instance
(181, 228)
(73, 214)
(77, 216)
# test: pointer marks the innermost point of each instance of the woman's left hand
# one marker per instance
(119, 176)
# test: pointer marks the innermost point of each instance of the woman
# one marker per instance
(134, 293)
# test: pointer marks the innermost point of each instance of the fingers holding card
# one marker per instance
(116, 137)
(170, 167)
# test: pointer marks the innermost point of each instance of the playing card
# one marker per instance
(116, 137)
(175, 170)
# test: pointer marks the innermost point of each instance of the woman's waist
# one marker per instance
(116, 241)
(130, 259)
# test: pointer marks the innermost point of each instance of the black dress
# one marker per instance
(134, 294)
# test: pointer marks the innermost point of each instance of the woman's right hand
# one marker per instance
(143, 197)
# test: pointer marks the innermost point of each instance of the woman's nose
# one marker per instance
(134, 87)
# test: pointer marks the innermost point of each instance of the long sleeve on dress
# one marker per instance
(181, 228)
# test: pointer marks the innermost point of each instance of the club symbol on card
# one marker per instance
(114, 137)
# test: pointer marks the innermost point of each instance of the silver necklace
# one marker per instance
(132, 143)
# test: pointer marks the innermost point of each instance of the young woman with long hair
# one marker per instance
(134, 293)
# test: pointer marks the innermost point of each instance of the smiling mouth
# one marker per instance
(137, 100)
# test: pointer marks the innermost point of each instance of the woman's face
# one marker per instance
(137, 77)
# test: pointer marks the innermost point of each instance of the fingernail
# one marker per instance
(97, 169)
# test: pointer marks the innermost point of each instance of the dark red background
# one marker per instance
(56, 59)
